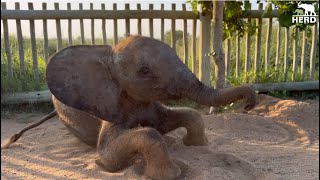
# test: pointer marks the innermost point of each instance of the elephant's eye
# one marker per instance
(144, 71)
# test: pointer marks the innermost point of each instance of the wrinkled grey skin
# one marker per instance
(109, 99)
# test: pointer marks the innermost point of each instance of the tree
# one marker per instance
(218, 58)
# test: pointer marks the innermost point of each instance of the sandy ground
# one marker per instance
(279, 139)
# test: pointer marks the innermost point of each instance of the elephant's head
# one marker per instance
(148, 69)
(92, 78)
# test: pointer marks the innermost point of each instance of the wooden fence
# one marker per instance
(204, 45)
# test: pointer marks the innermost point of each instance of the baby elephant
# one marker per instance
(109, 99)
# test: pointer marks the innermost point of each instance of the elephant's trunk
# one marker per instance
(205, 95)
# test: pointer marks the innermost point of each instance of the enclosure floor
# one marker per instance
(279, 139)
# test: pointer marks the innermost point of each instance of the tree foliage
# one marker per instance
(234, 11)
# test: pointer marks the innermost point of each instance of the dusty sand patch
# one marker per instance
(279, 139)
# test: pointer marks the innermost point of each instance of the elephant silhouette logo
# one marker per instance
(308, 9)
(305, 14)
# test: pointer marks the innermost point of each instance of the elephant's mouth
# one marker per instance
(166, 93)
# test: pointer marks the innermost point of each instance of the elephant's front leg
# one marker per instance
(187, 118)
(117, 146)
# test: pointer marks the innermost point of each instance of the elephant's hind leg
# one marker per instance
(188, 118)
(117, 146)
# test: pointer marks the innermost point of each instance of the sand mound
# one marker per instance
(279, 139)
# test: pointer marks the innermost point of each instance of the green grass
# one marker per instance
(16, 84)
(297, 95)
(8, 110)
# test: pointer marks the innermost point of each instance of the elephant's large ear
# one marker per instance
(78, 76)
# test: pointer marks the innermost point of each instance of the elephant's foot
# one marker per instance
(189, 140)
(163, 170)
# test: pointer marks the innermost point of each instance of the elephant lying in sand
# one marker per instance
(109, 98)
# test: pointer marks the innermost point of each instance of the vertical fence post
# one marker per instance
(45, 36)
(162, 25)
(247, 51)
(22, 71)
(303, 54)
(83, 39)
(139, 20)
(185, 37)
(237, 55)
(204, 47)
(295, 53)
(127, 7)
(227, 57)
(277, 61)
(58, 27)
(267, 50)
(6, 43)
(103, 26)
(34, 51)
(258, 46)
(69, 26)
(194, 45)
(313, 50)
(173, 30)
(285, 59)
(115, 27)
(151, 22)
(92, 27)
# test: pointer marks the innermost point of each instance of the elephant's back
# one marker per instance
(81, 124)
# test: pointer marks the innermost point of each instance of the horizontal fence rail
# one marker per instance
(243, 55)
(96, 14)
(45, 96)
(111, 14)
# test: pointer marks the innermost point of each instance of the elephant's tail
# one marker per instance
(16, 136)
